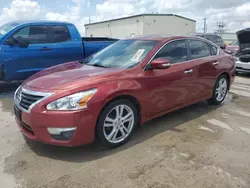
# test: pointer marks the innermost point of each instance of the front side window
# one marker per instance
(33, 35)
(122, 54)
(60, 34)
(198, 49)
(175, 52)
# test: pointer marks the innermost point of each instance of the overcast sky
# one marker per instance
(236, 13)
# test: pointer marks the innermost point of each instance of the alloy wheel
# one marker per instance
(221, 89)
(118, 124)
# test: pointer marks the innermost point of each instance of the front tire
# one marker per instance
(220, 90)
(116, 123)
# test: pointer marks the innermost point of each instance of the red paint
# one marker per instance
(233, 48)
(158, 91)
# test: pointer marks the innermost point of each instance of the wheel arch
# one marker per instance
(131, 98)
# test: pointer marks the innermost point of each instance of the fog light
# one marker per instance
(62, 133)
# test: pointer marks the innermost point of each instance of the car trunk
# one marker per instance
(244, 44)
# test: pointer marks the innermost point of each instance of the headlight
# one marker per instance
(72, 102)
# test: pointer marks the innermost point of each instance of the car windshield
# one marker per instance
(7, 27)
(122, 54)
(234, 43)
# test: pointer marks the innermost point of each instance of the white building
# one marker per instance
(143, 24)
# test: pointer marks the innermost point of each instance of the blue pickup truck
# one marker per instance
(27, 47)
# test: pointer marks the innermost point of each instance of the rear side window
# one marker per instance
(214, 50)
(60, 34)
(199, 49)
(175, 52)
(34, 35)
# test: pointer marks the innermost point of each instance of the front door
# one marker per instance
(175, 86)
(23, 61)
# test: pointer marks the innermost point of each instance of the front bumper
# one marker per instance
(242, 67)
(34, 126)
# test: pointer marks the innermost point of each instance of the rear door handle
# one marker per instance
(188, 71)
(45, 49)
(216, 63)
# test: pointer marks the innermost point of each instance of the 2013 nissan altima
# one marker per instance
(108, 95)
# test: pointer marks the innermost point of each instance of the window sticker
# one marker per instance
(138, 54)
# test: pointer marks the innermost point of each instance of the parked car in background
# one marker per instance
(243, 56)
(233, 47)
(109, 94)
(216, 39)
(27, 47)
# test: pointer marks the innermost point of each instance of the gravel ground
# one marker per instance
(198, 146)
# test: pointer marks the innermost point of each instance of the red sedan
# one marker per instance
(108, 95)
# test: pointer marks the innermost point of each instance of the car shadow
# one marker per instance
(169, 122)
(242, 74)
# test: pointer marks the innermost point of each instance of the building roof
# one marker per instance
(138, 15)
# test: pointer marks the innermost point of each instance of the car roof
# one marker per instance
(20, 22)
(161, 37)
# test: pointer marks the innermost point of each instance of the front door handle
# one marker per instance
(45, 49)
(216, 63)
(188, 71)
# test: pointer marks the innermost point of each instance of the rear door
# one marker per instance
(205, 58)
(63, 47)
(175, 86)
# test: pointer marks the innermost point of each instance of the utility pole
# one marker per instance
(205, 25)
(89, 20)
(221, 28)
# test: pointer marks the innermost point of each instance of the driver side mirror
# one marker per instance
(160, 64)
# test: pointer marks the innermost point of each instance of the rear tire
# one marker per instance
(220, 90)
(116, 123)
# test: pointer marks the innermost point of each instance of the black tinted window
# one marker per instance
(212, 38)
(60, 34)
(198, 49)
(219, 40)
(175, 52)
(33, 35)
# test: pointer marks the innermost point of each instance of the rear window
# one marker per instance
(60, 34)
(213, 38)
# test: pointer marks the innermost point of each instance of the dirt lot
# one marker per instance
(199, 146)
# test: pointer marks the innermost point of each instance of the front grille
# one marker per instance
(28, 99)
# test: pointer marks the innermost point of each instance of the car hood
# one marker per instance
(244, 39)
(68, 76)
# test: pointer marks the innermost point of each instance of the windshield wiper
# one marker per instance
(98, 65)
